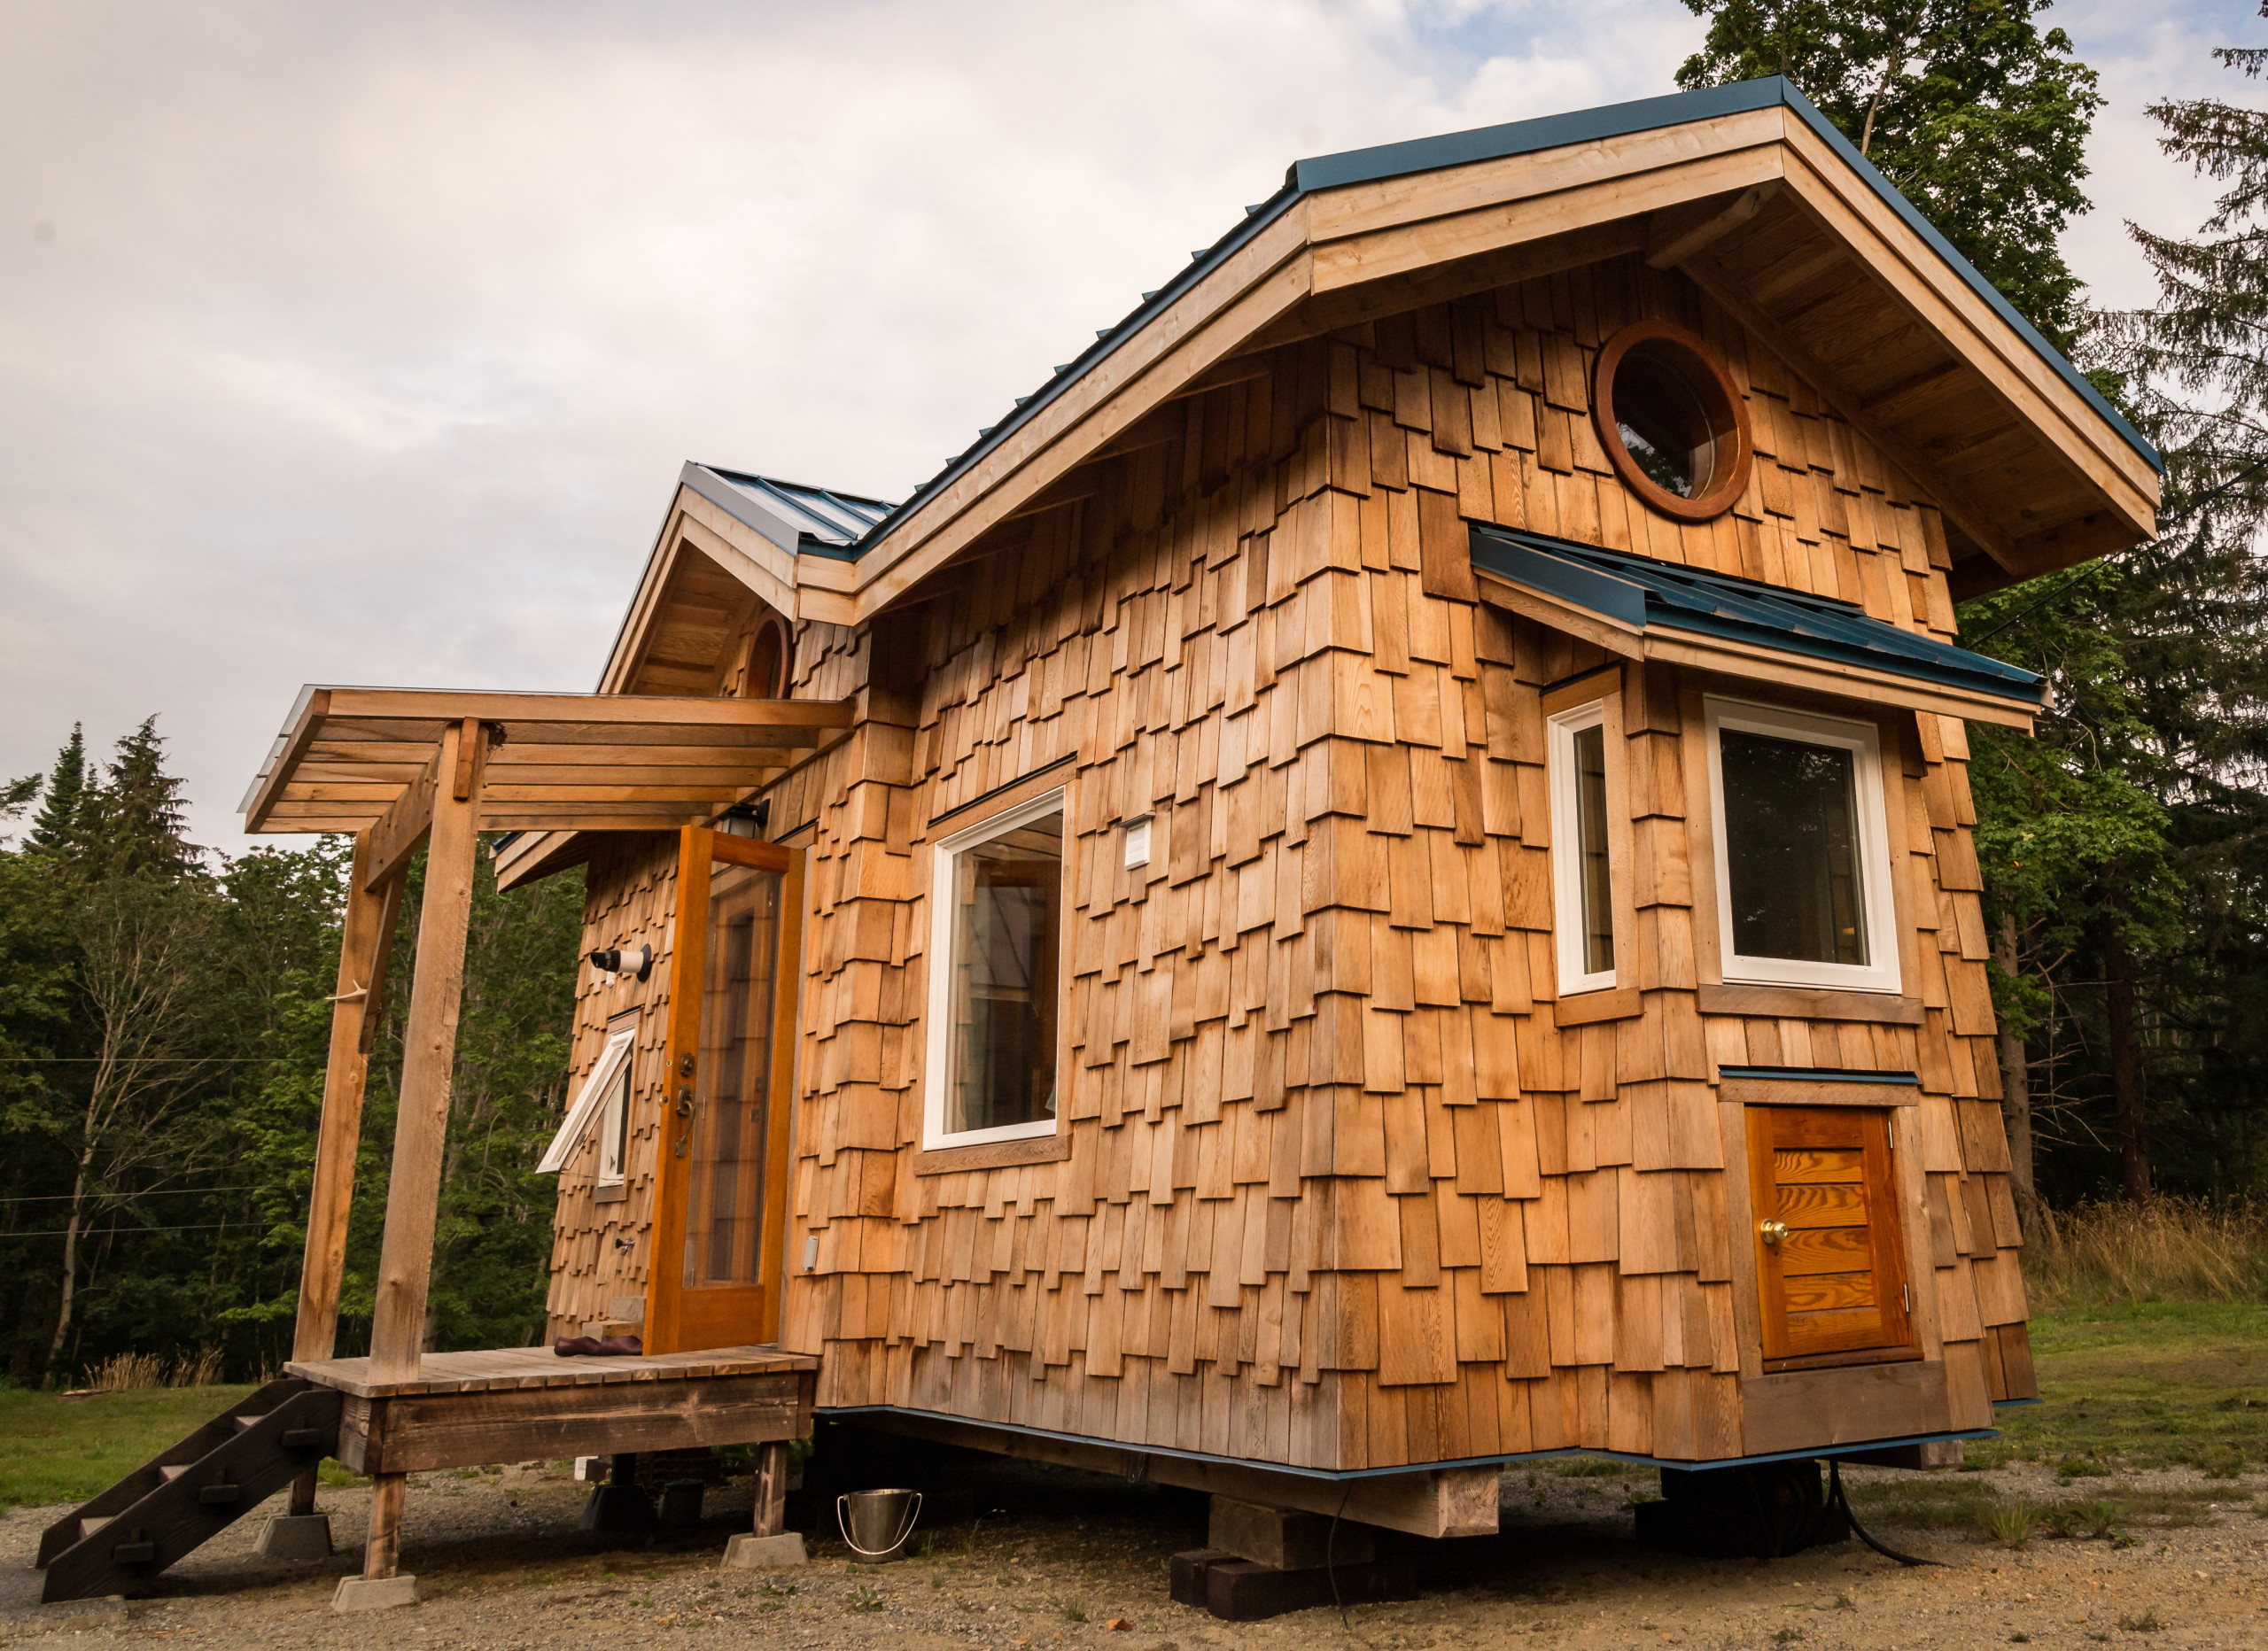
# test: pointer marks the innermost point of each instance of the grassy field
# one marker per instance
(2125, 1385)
(64, 1450)
(2144, 1384)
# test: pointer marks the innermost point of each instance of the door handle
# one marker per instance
(1772, 1232)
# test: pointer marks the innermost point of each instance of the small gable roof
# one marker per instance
(1646, 597)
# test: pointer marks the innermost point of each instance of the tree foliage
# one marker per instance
(165, 1019)
(1978, 116)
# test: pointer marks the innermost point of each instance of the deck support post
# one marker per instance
(381, 1585)
(429, 1058)
(771, 1543)
(365, 943)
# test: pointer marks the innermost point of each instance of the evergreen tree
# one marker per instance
(134, 821)
(1979, 117)
(58, 828)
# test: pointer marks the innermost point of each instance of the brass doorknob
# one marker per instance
(1772, 1231)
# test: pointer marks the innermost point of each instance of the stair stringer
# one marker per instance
(158, 1520)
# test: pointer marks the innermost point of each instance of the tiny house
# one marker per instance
(1374, 881)
(1398, 891)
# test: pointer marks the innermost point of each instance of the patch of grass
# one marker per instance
(339, 1478)
(2173, 1249)
(2146, 1624)
(1071, 1610)
(64, 1450)
(2009, 1523)
(865, 1599)
(2150, 1384)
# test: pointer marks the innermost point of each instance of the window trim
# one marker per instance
(617, 1056)
(938, 1052)
(1567, 917)
(1878, 901)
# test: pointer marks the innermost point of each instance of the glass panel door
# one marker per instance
(732, 1088)
(717, 1240)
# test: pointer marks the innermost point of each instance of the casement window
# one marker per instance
(1581, 862)
(1803, 868)
(996, 977)
(601, 1106)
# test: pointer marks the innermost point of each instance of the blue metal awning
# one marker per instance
(1646, 596)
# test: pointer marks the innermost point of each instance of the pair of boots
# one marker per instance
(599, 1347)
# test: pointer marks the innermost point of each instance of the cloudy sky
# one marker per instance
(363, 344)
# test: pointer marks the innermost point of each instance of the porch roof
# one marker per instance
(348, 757)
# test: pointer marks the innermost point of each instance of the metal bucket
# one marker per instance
(875, 1523)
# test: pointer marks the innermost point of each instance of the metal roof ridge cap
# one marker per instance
(739, 504)
(1895, 199)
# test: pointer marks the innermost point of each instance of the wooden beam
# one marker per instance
(402, 829)
(1426, 1502)
(365, 943)
(416, 1433)
(1672, 238)
(429, 1058)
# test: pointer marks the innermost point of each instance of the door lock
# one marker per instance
(1772, 1232)
(685, 1065)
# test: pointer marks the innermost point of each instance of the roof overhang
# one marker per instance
(1745, 187)
(350, 759)
(1636, 608)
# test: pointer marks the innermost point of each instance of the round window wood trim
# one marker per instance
(1720, 400)
(771, 660)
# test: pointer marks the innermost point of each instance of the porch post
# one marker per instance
(364, 945)
(420, 1131)
(364, 951)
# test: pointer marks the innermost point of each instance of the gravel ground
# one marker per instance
(1025, 1557)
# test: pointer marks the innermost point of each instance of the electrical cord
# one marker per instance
(1329, 1563)
(1836, 1497)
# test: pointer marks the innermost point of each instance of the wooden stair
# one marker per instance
(181, 1497)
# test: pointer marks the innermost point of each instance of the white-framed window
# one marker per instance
(996, 929)
(1582, 886)
(1803, 858)
(604, 1099)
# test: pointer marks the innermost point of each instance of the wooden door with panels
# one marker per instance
(1830, 1249)
(719, 1218)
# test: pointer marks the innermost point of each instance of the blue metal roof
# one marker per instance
(799, 519)
(1646, 595)
(1496, 143)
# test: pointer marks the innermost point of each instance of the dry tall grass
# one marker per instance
(2171, 1250)
(129, 1370)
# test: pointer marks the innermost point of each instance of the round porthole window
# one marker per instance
(1673, 425)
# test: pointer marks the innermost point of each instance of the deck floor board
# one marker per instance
(494, 1367)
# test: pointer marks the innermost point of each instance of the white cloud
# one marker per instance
(366, 343)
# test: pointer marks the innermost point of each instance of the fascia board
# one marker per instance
(1266, 277)
(1384, 252)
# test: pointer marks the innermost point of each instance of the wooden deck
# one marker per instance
(518, 1403)
(497, 1367)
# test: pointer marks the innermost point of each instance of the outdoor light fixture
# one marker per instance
(622, 960)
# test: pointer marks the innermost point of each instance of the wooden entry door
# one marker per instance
(718, 1223)
(1830, 1251)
